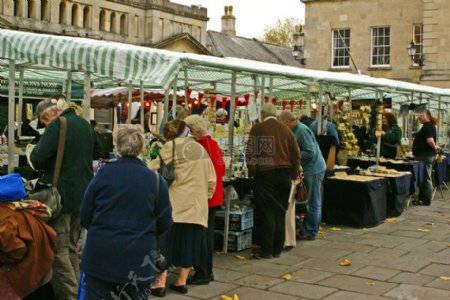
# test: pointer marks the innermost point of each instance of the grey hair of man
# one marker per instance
(268, 110)
(197, 124)
(128, 140)
(286, 115)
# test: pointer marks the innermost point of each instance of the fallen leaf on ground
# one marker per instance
(444, 278)
(365, 229)
(391, 220)
(240, 257)
(440, 214)
(287, 276)
(225, 297)
(345, 262)
(423, 230)
(369, 283)
(335, 229)
(235, 297)
(429, 223)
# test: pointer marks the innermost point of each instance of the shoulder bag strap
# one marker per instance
(60, 151)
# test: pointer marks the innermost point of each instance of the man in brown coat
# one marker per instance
(273, 160)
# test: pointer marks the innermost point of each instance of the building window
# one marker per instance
(123, 24)
(136, 25)
(87, 17)
(381, 46)
(75, 15)
(417, 37)
(341, 48)
(17, 8)
(62, 13)
(45, 11)
(103, 20)
(112, 24)
(31, 8)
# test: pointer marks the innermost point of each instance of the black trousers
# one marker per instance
(205, 270)
(98, 289)
(271, 190)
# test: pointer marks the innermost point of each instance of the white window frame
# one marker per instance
(382, 46)
(334, 48)
(418, 42)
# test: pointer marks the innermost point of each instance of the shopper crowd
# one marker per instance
(141, 222)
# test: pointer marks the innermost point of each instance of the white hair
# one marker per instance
(197, 124)
(128, 139)
(268, 110)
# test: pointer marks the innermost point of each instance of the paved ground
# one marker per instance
(408, 258)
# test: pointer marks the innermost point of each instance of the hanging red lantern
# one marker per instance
(291, 104)
(247, 99)
(187, 94)
(255, 93)
(224, 102)
(212, 101)
(274, 101)
(283, 104)
(300, 104)
(200, 99)
(266, 99)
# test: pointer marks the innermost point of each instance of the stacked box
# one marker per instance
(238, 220)
(237, 240)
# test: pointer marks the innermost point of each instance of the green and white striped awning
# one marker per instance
(114, 60)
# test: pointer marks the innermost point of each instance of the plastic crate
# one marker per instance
(239, 220)
(237, 240)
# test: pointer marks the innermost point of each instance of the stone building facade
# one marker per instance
(139, 22)
(372, 37)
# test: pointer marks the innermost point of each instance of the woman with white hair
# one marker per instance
(123, 212)
(199, 128)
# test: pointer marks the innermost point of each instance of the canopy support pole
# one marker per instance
(19, 117)
(186, 83)
(69, 87)
(11, 113)
(270, 88)
(351, 108)
(174, 98)
(230, 169)
(379, 96)
(166, 106)
(130, 102)
(142, 117)
(262, 94)
(87, 96)
(440, 120)
(319, 110)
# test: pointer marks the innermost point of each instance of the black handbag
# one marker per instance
(167, 170)
(161, 263)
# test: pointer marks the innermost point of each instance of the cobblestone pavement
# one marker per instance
(406, 258)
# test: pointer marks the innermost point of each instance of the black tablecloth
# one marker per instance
(354, 203)
(440, 172)
(398, 190)
(417, 169)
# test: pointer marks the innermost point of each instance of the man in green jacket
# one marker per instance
(75, 175)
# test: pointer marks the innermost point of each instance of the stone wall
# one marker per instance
(322, 16)
(135, 22)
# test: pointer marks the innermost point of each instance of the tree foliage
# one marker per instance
(281, 32)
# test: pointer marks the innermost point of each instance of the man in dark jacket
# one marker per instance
(273, 160)
(75, 175)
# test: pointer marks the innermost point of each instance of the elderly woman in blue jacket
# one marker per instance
(123, 213)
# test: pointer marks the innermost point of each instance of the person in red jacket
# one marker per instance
(198, 126)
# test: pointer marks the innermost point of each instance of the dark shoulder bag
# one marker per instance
(168, 170)
(48, 194)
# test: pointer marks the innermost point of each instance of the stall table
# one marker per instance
(363, 204)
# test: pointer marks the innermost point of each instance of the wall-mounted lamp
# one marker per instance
(415, 59)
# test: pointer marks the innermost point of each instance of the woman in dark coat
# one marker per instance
(390, 136)
(121, 214)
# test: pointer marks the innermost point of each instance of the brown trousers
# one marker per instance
(66, 268)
